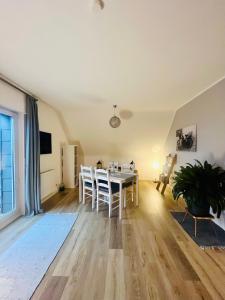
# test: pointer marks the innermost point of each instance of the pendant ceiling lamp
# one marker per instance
(114, 122)
(100, 4)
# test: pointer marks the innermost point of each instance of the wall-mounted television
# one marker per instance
(45, 143)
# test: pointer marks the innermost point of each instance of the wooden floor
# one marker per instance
(145, 256)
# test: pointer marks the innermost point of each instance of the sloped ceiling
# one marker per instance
(146, 56)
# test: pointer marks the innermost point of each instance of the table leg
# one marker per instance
(124, 197)
(80, 188)
(137, 192)
(120, 201)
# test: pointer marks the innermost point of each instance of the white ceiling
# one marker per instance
(142, 55)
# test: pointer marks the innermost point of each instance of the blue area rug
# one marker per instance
(208, 235)
(25, 262)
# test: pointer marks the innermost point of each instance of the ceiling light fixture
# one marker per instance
(114, 121)
(100, 3)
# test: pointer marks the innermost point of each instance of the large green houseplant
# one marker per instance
(201, 186)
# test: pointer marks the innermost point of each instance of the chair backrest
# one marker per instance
(126, 168)
(102, 179)
(113, 165)
(87, 174)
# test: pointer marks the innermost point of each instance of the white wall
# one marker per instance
(208, 112)
(140, 137)
(49, 121)
(14, 100)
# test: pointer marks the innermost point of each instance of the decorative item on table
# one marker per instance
(99, 164)
(111, 166)
(116, 165)
(132, 166)
(187, 138)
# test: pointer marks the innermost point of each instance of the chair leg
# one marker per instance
(93, 199)
(125, 198)
(97, 202)
(83, 195)
(110, 206)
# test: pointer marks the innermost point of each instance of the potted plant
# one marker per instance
(202, 186)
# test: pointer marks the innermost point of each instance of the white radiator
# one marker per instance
(48, 184)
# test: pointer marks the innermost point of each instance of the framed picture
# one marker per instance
(187, 138)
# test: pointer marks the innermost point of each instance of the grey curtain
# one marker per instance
(32, 158)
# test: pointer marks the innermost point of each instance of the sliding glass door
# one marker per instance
(7, 163)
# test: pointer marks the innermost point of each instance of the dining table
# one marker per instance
(120, 178)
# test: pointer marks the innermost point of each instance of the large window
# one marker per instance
(7, 164)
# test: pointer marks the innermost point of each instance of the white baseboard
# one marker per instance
(48, 196)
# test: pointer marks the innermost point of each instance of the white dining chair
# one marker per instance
(113, 166)
(107, 192)
(89, 190)
(125, 167)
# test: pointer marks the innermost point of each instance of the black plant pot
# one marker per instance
(199, 210)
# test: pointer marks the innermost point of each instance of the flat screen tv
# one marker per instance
(45, 143)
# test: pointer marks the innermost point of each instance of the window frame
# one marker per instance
(15, 210)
